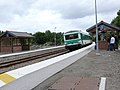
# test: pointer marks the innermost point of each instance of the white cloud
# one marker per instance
(108, 6)
(10, 8)
(41, 15)
(69, 9)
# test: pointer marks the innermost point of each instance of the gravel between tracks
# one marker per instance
(106, 65)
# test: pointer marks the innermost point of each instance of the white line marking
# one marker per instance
(102, 83)
(2, 83)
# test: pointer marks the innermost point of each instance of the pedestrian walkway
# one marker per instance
(91, 66)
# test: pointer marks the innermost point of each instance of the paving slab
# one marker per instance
(76, 83)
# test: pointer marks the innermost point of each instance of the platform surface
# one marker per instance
(106, 65)
(76, 83)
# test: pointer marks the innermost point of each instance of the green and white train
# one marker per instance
(76, 39)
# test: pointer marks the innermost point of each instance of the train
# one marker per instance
(76, 39)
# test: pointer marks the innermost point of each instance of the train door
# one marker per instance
(81, 35)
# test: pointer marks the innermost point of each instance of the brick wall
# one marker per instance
(6, 49)
(17, 48)
(103, 45)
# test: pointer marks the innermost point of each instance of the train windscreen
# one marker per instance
(71, 36)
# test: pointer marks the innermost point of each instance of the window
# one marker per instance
(72, 36)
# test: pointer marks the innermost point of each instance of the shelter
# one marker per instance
(12, 41)
(105, 30)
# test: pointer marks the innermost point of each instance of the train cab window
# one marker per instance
(72, 36)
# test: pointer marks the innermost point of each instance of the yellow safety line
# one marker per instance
(6, 78)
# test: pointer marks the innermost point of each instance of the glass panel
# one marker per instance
(72, 36)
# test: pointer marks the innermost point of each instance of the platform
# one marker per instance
(91, 66)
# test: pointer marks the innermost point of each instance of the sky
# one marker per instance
(55, 15)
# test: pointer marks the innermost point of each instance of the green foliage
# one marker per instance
(48, 37)
(39, 38)
(1, 32)
(116, 21)
(118, 13)
(59, 38)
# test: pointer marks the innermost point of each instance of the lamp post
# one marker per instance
(97, 49)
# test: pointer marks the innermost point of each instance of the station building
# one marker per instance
(105, 30)
(12, 41)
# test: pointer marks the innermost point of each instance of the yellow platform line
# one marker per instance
(6, 78)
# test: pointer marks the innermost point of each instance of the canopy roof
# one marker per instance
(105, 24)
(16, 34)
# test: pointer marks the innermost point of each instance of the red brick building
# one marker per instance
(11, 41)
(105, 30)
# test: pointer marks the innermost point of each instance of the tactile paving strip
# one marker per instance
(76, 83)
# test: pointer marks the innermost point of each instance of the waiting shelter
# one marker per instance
(12, 41)
(105, 30)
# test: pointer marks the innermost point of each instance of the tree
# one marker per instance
(59, 38)
(116, 21)
(39, 38)
(0, 32)
(49, 36)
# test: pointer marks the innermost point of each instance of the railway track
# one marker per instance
(46, 55)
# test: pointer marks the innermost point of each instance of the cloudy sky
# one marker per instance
(41, 15)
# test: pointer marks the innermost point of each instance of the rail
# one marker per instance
(30, 58)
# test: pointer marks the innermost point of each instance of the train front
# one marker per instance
(72, 40)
